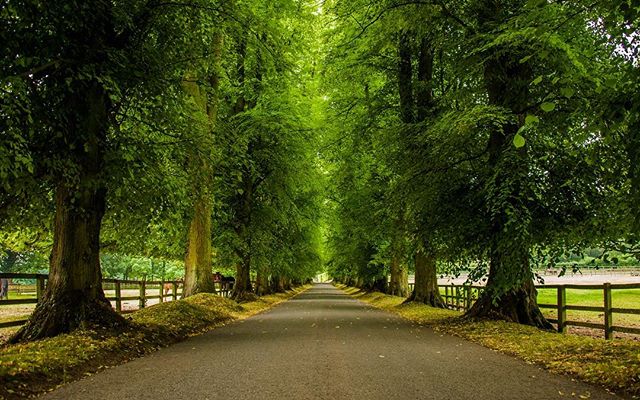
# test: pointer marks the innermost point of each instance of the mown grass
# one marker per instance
(620, 298)
(31, 368)
(614, 364)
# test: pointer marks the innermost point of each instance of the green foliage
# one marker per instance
(140, 55)
(521, 158)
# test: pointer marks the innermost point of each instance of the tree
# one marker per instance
(68, 74)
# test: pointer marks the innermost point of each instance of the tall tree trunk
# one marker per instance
(276, 284)
(198, 276)
(399, 282)
(425, 289)
(197, 262)
(243, 268)
(243, 285)
(241, 49)
(510, 293)
(377, 285)
(405, 78)
(262, 282)
(74, 297)
(424, 88)
(426, 278)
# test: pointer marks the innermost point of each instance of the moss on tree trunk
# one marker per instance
(399, 282)
(198, 274)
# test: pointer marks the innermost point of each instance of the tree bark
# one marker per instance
(243, 285)
(399, 274)
(262, 282)
(425, 289)
(424, 88)
(399, 282)
(276, 284)
(198, 277)
(517, 304)
(198, 274)
(74, 297)
(405, 78)
(243, 267)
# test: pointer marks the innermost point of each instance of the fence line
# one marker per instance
(117, 285)
(462, 297)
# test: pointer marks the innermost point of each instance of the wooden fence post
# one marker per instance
(118, 297)
(40, 288)
(608, 315)
(175, 291)
(562, 309)
(457, 298)
(143, 294)
(446, 295)
(161, 291)
(469, 298)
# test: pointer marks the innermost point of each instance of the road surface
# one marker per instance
(323, 344)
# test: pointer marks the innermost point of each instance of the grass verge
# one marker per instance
(32, 368)
(613, 364)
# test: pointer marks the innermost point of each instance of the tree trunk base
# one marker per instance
(430, 299)
(243, 296)
(518, 305)
(397, 291)
(378, 285)
(67, 313)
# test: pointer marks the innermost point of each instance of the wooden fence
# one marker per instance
(115, 285)
(462, 297)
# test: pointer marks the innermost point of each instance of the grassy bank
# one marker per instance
(29, 369)
(614, 364)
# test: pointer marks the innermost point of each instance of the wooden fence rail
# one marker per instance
(462, 297)
(115, 285)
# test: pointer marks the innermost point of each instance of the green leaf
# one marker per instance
(531, 119)
(518, 141)
(525, 59)
(547, 107)
(537, 80)
(567, 92)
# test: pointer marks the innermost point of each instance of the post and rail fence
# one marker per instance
(118, 291)
(462, 297)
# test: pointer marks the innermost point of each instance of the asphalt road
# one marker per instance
(323, 344)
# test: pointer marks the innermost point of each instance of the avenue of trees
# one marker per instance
(269, 137)
(491, 135)
(174, 130)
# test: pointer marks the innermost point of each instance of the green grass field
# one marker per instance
(620, 298)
